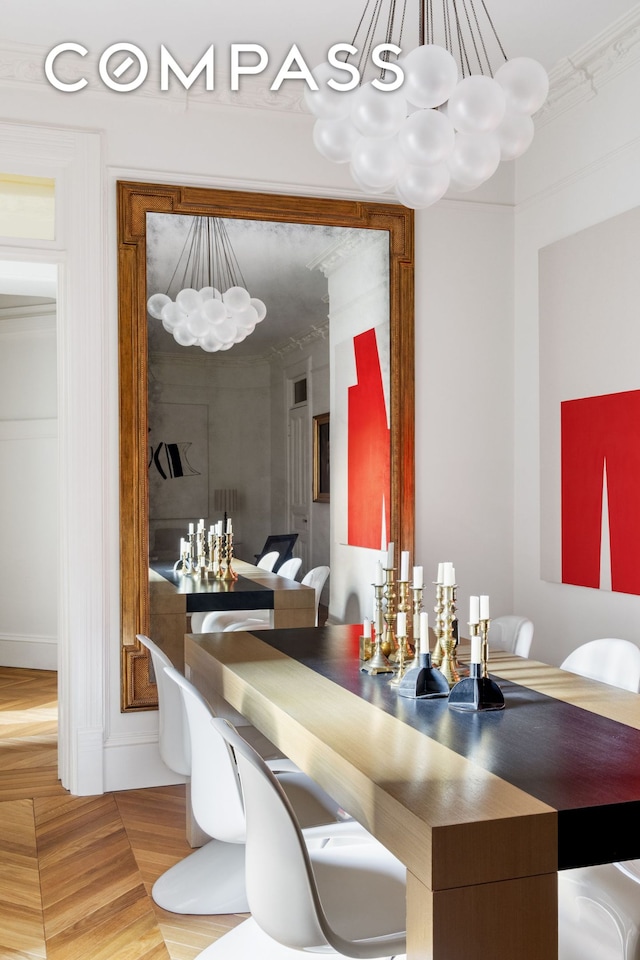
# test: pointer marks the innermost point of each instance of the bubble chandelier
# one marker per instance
(447, 124)
(201, 315)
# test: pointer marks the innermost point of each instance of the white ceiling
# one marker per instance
(548, 30)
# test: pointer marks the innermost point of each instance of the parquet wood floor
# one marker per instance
(76, 872)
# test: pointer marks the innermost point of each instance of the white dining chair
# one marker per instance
(511, 633)
(182, 883)
(345, 901)
(609, 660)
(316, 578)
(218, 809)
(599, 906)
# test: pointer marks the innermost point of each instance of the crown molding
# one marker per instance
(580, 77)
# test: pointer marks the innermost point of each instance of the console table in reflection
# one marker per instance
(174, 597)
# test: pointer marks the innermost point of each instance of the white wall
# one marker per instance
(463, 354)
(28, 489)
(582, 170)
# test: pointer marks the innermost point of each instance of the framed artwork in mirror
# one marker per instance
(321, 463)
(140, 205)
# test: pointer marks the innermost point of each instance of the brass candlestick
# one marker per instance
(389, 644)
(416, 606)
(404, 607)
(484, 649)
(436, 656)
(400, 660)
(228, 573)
(448, 665)
(378, 662)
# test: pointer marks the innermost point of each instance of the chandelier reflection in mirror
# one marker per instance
(201, 314)
(448, 124)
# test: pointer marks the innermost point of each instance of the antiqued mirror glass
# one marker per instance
(306, 258)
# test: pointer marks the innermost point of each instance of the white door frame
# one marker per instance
(74, 159)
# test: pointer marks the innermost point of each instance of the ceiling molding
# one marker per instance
(580, 77)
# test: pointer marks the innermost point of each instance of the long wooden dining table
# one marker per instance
(483, 808)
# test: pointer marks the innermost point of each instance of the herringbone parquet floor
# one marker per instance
(76, 872)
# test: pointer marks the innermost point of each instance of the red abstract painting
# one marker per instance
(368, 448)
(600, 436)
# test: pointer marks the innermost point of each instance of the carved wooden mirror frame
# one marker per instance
(135, 200)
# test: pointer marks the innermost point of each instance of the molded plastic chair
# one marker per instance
(213, 877)
(283, 543)
(599, 907)
(267, 562)
(316, 578)
(511, 633)
(182, 883)
(338, 900)
(290, 568)
(609, 660)
(173, 737)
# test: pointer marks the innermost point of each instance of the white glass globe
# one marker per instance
(430, 75)
(378, 113)
(334, 139)
(475, 158)
(326, 102)
(377, 163)
(477, 105)
(172, 315)
(525, 83)
(419, 186)
(182, 336)
(189, 299)
(214, 310)
(427, 136)
(197, 323)
(210, 342)
(207, 293)
(514, 134)
(246, 319)
(156, 302)
(226, 330)
(236, 298)
(260, 308)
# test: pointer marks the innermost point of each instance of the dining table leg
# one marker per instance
(508, 918)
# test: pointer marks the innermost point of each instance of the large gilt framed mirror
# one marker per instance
(152, 228)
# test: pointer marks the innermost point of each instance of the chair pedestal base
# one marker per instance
(208, 881)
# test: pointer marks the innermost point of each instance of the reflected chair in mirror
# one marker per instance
(217, 807)
(511, 633)
(283, 544)
(599, 906)
(316, 578)
(340, 900)
(215, 621)
(609, 660)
